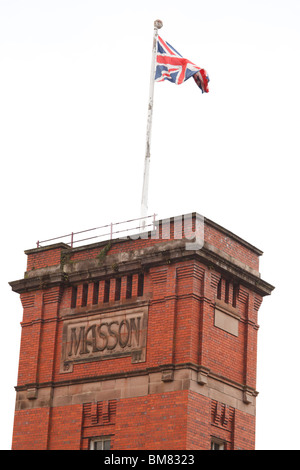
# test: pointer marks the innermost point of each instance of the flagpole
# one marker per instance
(144, 204)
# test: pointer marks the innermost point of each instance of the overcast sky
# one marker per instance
(74, 86)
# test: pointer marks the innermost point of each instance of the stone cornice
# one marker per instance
(130, 262)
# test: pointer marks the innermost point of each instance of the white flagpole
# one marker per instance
(144, 206)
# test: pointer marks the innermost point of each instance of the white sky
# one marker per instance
(74, 86)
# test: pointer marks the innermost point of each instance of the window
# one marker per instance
(227, 291)
(129, 287)
(74, 297)
(106, 290)
(141, 285)
(217, 444)
(118, 288)
(96, 292)
(101, 443)
(235, 295)
(219, 291)
(84, 298)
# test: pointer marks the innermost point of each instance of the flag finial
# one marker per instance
(158, 24)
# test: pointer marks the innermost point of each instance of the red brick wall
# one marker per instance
(198, 422)
(231, 246)
(65, 428)
(169, 421)
(43, 258)
(244, 431)
(154, 422)
(181, 330)
(212, 234)
(31, 429)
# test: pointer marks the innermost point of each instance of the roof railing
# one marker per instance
(109, 231)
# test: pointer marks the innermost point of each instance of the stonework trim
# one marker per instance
(167, 379)
(174, 250)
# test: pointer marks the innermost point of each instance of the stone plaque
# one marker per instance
(227, 322)
(105, 336)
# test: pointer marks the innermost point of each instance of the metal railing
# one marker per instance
(109, 231)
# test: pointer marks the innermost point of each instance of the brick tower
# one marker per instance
(141, 342)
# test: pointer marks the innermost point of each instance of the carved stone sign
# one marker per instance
(105, 336)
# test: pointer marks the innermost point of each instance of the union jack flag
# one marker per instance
(170, 65)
